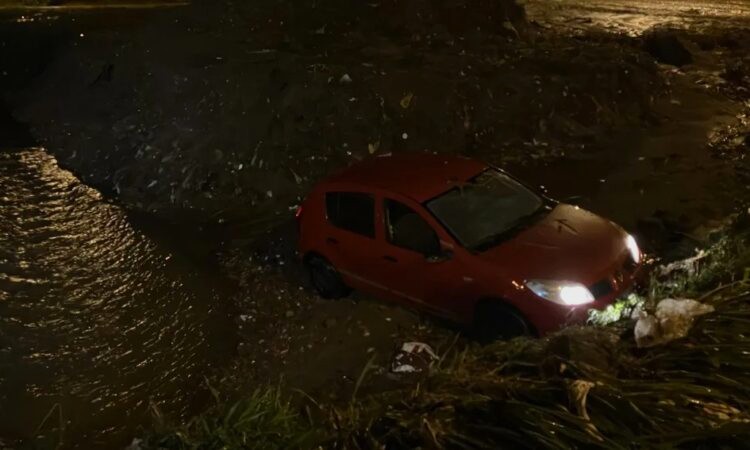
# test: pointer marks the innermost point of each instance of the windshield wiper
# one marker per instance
(515, 226)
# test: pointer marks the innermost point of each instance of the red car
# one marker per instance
(465, 241)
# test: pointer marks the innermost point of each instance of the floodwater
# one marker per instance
(636, 16)
(97, 319)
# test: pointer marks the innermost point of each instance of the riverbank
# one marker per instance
(580, 387)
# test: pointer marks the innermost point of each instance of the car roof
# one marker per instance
(419, 176)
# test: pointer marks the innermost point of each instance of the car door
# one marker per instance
(418, 269)
(352, 239)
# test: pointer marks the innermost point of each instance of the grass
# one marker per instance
(263, 420)
(584, 387)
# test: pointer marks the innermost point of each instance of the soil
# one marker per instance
(224, 115)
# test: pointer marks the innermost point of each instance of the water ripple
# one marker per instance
(94, 316)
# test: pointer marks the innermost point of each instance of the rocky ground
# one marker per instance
(225, 115)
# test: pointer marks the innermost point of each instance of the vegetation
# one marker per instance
(584, 387)
(264, 420)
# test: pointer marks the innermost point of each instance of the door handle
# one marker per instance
(332, 241)
(390, 259)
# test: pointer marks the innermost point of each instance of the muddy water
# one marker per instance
(97, 319)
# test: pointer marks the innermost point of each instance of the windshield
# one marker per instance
(482, 211)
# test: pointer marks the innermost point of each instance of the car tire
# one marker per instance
(325, 278)
(494, 321)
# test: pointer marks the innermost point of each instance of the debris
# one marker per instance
(345, 79)
(688, 266)
(404, 136)
(134, 445)
(672, 320)
(404, 368)
(289, 314)
(406, 101)
(413, 357)
(372, 148)
(578, 391)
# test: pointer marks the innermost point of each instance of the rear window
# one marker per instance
(352, 211)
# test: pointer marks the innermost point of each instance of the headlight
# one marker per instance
(632, 246)
(561, 292)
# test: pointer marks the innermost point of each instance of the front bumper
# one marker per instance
(552, 317)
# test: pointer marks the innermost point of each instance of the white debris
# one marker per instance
(672, 320)
(404, 368)
(345, 79)
(405, 136)
(689, 266)
(418, 347)
(135, 444)
(413, 357)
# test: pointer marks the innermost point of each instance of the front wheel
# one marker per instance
(496, 321)
(325, 279)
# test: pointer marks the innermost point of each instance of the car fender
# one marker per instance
(499, 287)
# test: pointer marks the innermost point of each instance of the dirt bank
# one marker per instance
(233, 112)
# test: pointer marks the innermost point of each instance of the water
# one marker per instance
(97, 319)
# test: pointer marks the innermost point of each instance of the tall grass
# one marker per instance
(265, 420)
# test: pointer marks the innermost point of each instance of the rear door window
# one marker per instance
(352, 211)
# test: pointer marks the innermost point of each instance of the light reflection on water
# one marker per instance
(94, 315)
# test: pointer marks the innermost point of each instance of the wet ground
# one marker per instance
(103, 311)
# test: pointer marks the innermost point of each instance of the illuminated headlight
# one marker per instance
(561, 292)
(632, 246)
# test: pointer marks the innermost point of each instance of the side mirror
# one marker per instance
(443, 257)
(441, 254)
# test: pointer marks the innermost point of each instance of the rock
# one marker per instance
(667, 48)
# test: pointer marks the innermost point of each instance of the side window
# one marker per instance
(352, 211)
(407, 229)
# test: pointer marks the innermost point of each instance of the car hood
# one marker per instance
(569, 244)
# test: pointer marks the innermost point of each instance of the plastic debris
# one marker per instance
(672, 320)
(413, 357)
(688, 266)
